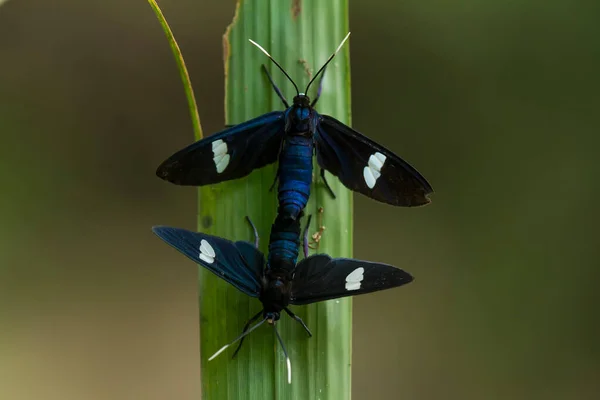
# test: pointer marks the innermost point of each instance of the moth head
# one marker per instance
(272, 316)
(302, 100)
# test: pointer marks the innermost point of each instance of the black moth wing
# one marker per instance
(230, 154)
(320, 277)
(368, 168)
(254, 258)
(231, 262)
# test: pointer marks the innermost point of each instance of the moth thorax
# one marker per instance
(278, 284)
(301, 114)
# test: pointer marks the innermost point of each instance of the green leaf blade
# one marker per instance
(300, 40)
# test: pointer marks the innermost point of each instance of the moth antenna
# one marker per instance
(222, 349)
(287, 358)
(276, 63)
(327, 62)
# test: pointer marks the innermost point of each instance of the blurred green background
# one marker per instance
(496, 103)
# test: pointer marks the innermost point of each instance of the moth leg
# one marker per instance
(250, 321)
(327, 184)
(314, 102)
(297, 318)
(285, 102)
(255, 231)
(274, 181)
(305, 244)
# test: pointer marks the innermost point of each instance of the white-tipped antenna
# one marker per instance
(260, 47)
(276, 63)
(287, 358)
(219, 352)
(236, 339)
(341, 44)
(327, 62)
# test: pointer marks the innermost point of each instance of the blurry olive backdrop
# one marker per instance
(496, 103)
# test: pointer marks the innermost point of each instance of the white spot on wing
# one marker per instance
(206, 248)
(207, 253)
(369, 178)
(222, 163)
(219, 147)
(220, 156)
(372, 171)
(217, 159)
(375, 163)
(376, 173)
(381, 157)
(207, 259)
(354, 279)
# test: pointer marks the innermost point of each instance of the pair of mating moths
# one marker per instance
(291, 137)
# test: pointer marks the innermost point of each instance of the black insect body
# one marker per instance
(280, 280)
(293, 136)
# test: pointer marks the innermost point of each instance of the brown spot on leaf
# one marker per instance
(296, 8)
(306, 66)
(206, 221)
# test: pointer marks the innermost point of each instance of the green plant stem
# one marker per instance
(300, 35)
(183, 73)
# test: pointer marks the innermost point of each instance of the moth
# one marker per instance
(293, 137)
(279, 281)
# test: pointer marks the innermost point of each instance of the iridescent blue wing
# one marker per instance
(368, 168)
(320, 277)
(230, 154)
(238, 263)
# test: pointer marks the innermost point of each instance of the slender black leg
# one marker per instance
(297, 318)
(229, 125)
(314, 102)
(274, 182)
(244, 330)
(326, 183)
(255, 231)
(305, 245)
(285, 103)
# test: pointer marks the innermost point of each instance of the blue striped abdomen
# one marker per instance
(295, 175)
(283, 244)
